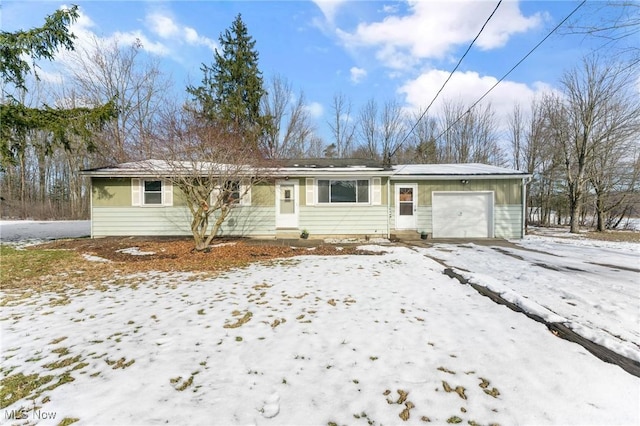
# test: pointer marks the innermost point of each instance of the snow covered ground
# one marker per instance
(338, 340)
(591, 286)
(33, 230)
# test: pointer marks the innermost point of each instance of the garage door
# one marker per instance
(462, 214)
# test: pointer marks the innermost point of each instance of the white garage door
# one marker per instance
(462, 214)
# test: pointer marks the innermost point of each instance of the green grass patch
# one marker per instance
(62, 351)
(56, 341)
(121, 363)
(180, 384)
(19, 265)
(18, 386)
(63, 362)
(67, 421)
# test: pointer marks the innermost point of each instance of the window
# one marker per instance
(343, 191)
(152, 192)
(232, 192)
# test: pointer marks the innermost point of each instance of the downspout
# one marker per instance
(525, 182)
(389, 207)
(393, 172)
(91, 206)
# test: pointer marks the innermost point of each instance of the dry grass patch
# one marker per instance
(615, 236)
(60, 265)
(18, 386)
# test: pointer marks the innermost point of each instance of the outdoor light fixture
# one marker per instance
(464, 181)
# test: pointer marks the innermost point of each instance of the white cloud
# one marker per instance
(433, 29)
(468, 87)
(357, 74)
(137, 37)
(50, 76)
(83, 29)
(329, 8)
(192, 37)
(166, 27)
(162, 25)
(388, 8)
(315, 109)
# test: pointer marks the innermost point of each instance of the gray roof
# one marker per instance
(314, 167)
(466, 169)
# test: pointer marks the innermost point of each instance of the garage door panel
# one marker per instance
(462, 214)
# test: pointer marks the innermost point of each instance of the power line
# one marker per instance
(448, 78)
(511, 70)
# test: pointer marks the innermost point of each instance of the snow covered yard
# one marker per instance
(309, 340)
(591, 286)
(37, 230)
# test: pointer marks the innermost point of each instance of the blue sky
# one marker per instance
(362, 49)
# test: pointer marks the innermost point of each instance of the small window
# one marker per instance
(153, 192)
(231, 192)
(343, 191)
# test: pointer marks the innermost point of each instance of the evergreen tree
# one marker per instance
(17, 121)
(36, 43)
(232, 86)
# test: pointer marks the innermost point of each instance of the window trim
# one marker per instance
(244, 190)
(138, 192)
(348, 203)
(144, 192)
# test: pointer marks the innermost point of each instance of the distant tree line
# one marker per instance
(581, 143)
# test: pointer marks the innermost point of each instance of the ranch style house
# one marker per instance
(329, 198)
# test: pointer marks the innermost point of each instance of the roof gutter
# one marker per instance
(459, 176)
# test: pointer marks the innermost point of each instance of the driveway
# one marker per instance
(589, 286)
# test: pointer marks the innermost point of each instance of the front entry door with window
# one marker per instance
(287, 204)
(406, 206)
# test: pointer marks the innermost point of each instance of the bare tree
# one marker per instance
(615, 22)
(213, 171)
(109, 70)
(516, 132)
(470, 135)
(537, 156)
(612, 172)
(613, 178)
(288, 130)
(423, 139)
(368, 130)
(342, 126)
(393, 130)
(381, 131)
(595, 112)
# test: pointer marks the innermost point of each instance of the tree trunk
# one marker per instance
(600, 226)
(23, 186)
(42, 181)
(575, 209)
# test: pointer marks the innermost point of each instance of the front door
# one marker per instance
(406, 205)
(286, 204)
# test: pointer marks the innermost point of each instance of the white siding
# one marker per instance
(344, 220)
(508, 221)
(423, 219)
(143, 221)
